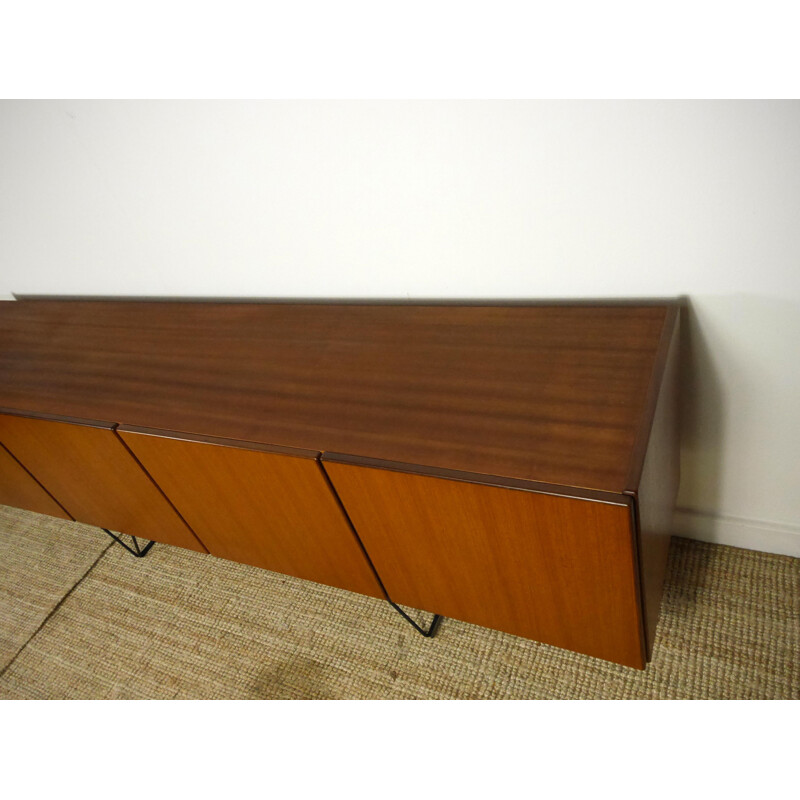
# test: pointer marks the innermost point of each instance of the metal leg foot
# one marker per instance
(138, 552)
(431, 628)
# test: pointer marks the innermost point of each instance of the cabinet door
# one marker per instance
(89, 471)
(555, 569)
(269, 507)
(20, 489)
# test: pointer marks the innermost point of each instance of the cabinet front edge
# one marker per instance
(497, 481)
(46, 417)
(219, 441)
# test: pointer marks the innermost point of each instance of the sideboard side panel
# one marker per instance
(88, 470)
(555, 569)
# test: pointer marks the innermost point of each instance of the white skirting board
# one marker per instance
(751, 534)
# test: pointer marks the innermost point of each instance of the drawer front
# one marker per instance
(254, 506)
(88, 470)
(554, 569)
(20, 490)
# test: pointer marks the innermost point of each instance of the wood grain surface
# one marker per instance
(558, 570)
(550, 392)
(257, 507)
(91, 474)
(20, 489)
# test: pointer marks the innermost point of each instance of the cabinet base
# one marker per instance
(136, 550)
(431, 628)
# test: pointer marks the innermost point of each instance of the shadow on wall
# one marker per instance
(702, 416)
(702, 427)
(739, 401)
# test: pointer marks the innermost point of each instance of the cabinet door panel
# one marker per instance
(555, 569)
(256, 506)
(88, 470)
(20, 490)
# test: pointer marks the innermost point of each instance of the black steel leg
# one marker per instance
(431, 629)
(135, 550)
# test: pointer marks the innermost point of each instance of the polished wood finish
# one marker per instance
(20, 489)
(553, 393)
(474, 477)
(253, 505)
(509, 464)
(217, 440)
(554, 569)
(654, 391)
(657, 488)
(91, 474)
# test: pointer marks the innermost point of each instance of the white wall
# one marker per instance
(454, 199)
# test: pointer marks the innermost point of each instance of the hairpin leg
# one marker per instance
(431, 628)
(136, 551)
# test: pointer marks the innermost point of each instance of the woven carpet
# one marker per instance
(41, 559)
(82, 619)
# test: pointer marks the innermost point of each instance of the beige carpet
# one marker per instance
(178, 624)
(41, 559)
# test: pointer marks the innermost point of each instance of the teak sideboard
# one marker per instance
(510, 465)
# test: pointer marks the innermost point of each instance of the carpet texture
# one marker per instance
(41, 559)
(178, 624)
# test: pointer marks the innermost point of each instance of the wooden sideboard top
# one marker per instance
(556, 393)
